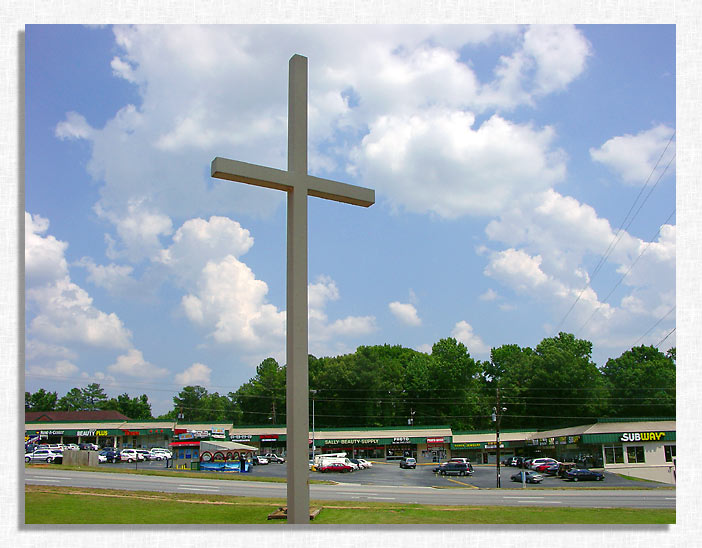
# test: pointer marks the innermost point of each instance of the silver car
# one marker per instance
(43, 455)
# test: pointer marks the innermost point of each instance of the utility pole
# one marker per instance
(496, 417)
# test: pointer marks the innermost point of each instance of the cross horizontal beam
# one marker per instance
(268, 177)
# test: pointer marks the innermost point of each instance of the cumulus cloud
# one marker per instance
(634, 157)
(489, 295)
(463, 332)
(62, 311)
(75, 126)
(133, 364)
(405, 312)
(59, 369)
(196, 374)
(437, 162)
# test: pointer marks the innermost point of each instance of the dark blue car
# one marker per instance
(582, 474)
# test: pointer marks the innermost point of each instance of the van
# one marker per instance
(408, 462)
(455, 469)
(537, 462)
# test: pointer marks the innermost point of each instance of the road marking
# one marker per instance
(45, 479)
(530, 501)
(382, 498)
(48, 477)
(461, 483)
(524, 497)
(193, 488)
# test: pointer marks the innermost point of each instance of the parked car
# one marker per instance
(88, 447)
(507, 461)
(563, 467)
(455, 469)
(43, 455)
(335, 467)
(130, 455)
(530, 476)
(366, 463)
(538, 462)
(72, 447)
(551, 470)
(162, 453)
(583, 474)
(357, 463)
(101, 458)
(408, 462)
(110, 454)
(145, 453)
(543, 467)
(257, 459)
(272, 457)
(526, 463)
(55, 447)
(156, 455)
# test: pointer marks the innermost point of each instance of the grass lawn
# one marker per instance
(71, 505)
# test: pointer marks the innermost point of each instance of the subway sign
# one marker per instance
(642, 436)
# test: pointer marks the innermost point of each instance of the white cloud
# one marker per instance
(436, 162)
(634, 157)
(44, 259)
(75, 126)
(59, 369)
(463, 332)
(231, 303)
(133, 364)
(196, 374)
(405, 312)
(489, 295)
(116, 279)
(62, 311)
(198, 242)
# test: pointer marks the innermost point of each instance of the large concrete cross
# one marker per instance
(298, 184)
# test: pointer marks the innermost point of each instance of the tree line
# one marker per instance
(553, 385)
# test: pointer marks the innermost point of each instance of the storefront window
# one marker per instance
(614, 454)
(635, 454)
(669, 453)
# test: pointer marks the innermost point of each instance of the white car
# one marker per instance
(162, 453)
(130, 455)
(72, 447)
(365, 463)
(538, 462)
(101, 459)
(45, 455)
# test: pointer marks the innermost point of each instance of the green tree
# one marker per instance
(94, 396)
(41, 400)
(135, 408)
(74, 400)
(189, 402)
(642, 382)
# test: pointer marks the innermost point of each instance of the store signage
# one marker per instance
(51, 432)
(466, 445)
(400, 440)
(353, 441)
(240, 437)
(435, 440)
(130, 432)
(494, 445)
(269, 437)
(217, 433)
(642, 436)
(91, 433)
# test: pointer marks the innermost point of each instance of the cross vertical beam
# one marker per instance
(298, 184)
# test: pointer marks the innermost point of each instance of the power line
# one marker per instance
(617, 237)
(654, 326)
(664, 338)
(648, 244)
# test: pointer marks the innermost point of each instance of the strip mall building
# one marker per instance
(638, 448)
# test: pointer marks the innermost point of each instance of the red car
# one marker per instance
(543, 467)
(336, 467)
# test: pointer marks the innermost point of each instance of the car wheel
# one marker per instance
(575, 479)
(48, 460)
(130, 460)
(599, 478)
(27, 459)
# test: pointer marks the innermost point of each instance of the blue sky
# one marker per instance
(505, 159)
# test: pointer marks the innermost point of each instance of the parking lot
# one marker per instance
(484, 476)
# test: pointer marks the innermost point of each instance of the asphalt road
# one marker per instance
(358, 487)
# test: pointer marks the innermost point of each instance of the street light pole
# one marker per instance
(496, 416)
(314, 393)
